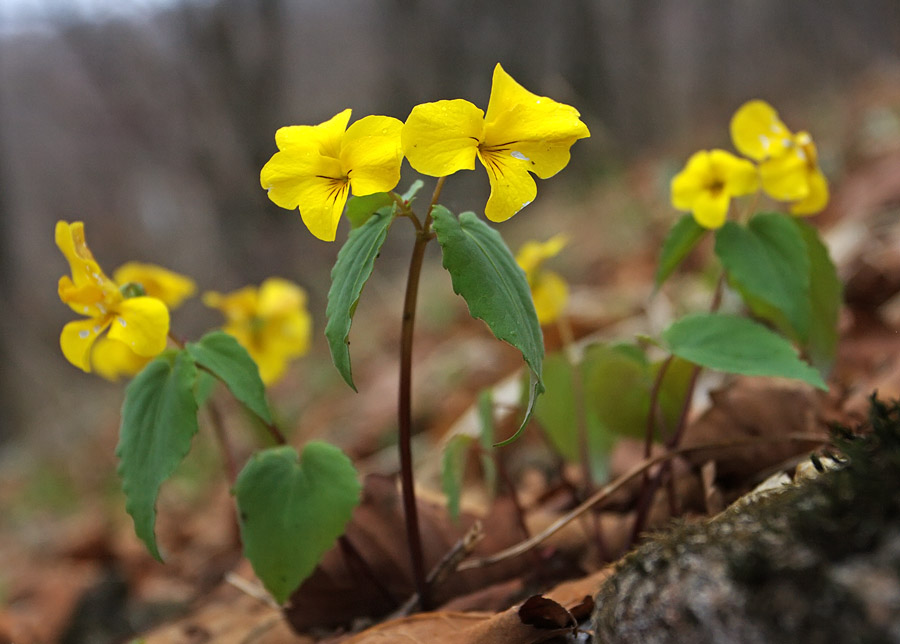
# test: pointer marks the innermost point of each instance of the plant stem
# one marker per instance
(404, 407)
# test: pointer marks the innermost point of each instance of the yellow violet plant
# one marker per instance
(127, 333)
(521, 135)
(776, 262)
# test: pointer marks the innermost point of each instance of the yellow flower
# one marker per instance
(521, 133)
(157, 282)
(317, 166)
(708, 182)
(140, 323)
(113, 360)
(548, 290)
(271, 322)
(788, 163)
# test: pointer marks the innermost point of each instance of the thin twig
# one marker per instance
(249, 588)
(448, 563)
(607, 490)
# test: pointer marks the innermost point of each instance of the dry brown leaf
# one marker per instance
(476, 628)
(228, 616)
(368, 575)
(755, 408)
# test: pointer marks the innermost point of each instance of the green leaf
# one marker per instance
(617, 383)
(486, 439)
(291, 512)
(204, 387)
(159, 419)
(453, 469)
(223, 355)
(354, 265)
(678, 244)
(768, 263)
(555, 409)
(359, 209)
(737, 345)
(413, 190)
(484, 272)
(825, 296)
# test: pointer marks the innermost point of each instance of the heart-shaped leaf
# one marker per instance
(159, 419)
(292, 511)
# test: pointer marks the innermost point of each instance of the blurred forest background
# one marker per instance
(151, 122)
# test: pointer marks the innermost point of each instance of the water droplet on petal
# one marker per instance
(122, 322)
(84, 334)
(515, 154)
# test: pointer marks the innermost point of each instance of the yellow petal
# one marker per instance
(325, 137)
(88, 299)
(710, 209)
(158, 282)
(757, 132)
(70, 240)
(529, 126)
(512, 187)
(371, 154)
(285, 174)
(550, 293)
(271, 364)
(321, 201)
(143, 324)
(785, 177)
(112, 359)
(688, 184)
(77, 339)
(739, 176)
(533, 253)
(237, 305)
(440, 138)
(279, 296)
(817, 198)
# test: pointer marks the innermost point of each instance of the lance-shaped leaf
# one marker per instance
(486, 439)
(735, 344)
(353, 268)
(681, 239)
(292, 511)
(453, 470)
(223, 355)
(484, 272)
(159, 419)
(767, 261)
